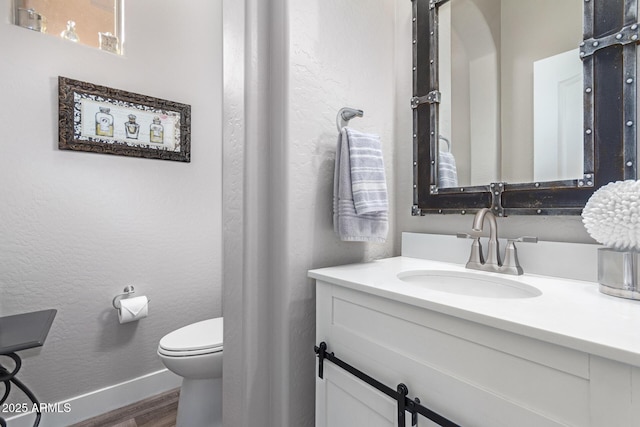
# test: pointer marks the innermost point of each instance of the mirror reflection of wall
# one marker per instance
(487, 52)
(557, 117)
(95, 23)
(469, 32)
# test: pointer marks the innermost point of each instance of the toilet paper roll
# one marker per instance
(132, 309)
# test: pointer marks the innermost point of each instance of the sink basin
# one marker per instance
(469, 283)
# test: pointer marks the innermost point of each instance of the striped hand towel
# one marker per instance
(360, 197)
(447, 171)
(367, 172)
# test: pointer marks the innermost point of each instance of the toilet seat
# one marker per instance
(199, 338)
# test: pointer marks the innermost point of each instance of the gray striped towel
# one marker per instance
(360, 203)
(447, 171)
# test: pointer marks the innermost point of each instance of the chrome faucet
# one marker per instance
(493, 254)
(476, 261)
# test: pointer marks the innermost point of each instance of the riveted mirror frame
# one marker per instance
(608, 52)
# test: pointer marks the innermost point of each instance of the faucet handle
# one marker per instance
(511, 264)
(473, 235)
(524, 239)
(476, 259)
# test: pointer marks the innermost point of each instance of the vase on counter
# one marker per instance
(612, 218)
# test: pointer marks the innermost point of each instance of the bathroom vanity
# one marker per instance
(526, 350)
(483, 348)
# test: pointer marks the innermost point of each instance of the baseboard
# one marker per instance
(101, 401)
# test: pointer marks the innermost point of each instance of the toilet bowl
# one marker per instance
(194, 352)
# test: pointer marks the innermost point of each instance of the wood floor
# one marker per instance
(156, 411)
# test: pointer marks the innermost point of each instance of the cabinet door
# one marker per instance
(342, 400)
(472, 374)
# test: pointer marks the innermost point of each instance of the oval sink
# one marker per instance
(469, 283)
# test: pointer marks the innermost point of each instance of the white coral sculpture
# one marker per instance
(612, 215)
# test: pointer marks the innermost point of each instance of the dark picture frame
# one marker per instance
(101, 119)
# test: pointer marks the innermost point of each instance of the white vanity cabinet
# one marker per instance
(476, 373)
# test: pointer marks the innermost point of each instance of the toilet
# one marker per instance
(194, 352)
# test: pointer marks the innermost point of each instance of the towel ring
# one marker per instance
(447, 141)
(345, 114)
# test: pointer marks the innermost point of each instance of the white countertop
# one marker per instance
(569, 313)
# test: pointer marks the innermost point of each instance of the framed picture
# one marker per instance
(111, 121)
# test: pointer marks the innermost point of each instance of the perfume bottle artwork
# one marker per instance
(131, 127)
(104, 122)
(156, 131)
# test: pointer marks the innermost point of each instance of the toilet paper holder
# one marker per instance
(128, 291)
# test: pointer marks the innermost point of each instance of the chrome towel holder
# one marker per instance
(345, 114)
(440, 137)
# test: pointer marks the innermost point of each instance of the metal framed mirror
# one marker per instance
(605, 128)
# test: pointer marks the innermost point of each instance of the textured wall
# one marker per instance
(302, 62)
(247, 234)
(75, 227)
(340, 54)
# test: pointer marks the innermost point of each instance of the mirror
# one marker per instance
(521, 106)
(95, 23)
(510, 78)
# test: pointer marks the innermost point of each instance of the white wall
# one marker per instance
(247, 234)
(76, 227)
(340, 54)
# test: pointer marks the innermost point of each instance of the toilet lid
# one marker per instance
(204, 335)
